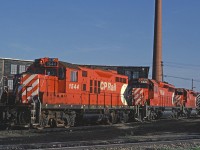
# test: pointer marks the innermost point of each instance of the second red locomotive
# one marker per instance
(152, 99)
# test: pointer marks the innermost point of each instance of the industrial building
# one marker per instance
(8, 68)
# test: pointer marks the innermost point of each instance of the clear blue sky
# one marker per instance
(104, 32)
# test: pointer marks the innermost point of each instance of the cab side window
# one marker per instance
(74, 76)
(61, 73)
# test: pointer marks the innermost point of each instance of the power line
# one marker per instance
(181, 67)
(188, 79)
(181, 64)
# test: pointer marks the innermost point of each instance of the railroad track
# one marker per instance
(109, 136)
(177, 144)
(187, 142)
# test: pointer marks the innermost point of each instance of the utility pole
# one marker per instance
(193, 84)
(162, 71)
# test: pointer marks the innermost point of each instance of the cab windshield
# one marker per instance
(179, 92)
(45, 71)
(140, 85)
(51, 72)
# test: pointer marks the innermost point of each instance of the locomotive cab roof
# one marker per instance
(69, 65)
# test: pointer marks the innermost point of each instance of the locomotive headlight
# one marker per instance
(41, 62)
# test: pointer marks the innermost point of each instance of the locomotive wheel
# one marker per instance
(175, 114)
(159, 115)
(113, 117)
(67, 121)
(188, 113)
(70, 119)
(149, 116)
(43, 119)
(138, 117)
(123, 117)
(23, 117)
(154, 115)
(52, 123)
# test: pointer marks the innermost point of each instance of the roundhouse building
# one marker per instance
(8, 68)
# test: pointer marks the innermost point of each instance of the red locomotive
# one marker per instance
(57, 92)
(187, 100)
(152, 99)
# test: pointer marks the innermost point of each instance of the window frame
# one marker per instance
(13, 69)
(74, 76)
(22, 68)
(10, 84)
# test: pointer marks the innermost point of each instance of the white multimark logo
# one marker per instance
(108, 86)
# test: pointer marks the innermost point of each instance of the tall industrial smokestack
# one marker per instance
(157, 49)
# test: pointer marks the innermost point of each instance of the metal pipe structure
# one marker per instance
(157, 73)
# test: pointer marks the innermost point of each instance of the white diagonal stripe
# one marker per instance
(29, 79)
(32, 86)
(34, 93)
(135, 91)
(138, 101)
(136, 96)
(141, 91)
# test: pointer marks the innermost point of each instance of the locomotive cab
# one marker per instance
(185, 97)
(189, 102)
(191, 99)
(45, 66)
(30, 84)
(180, 97)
